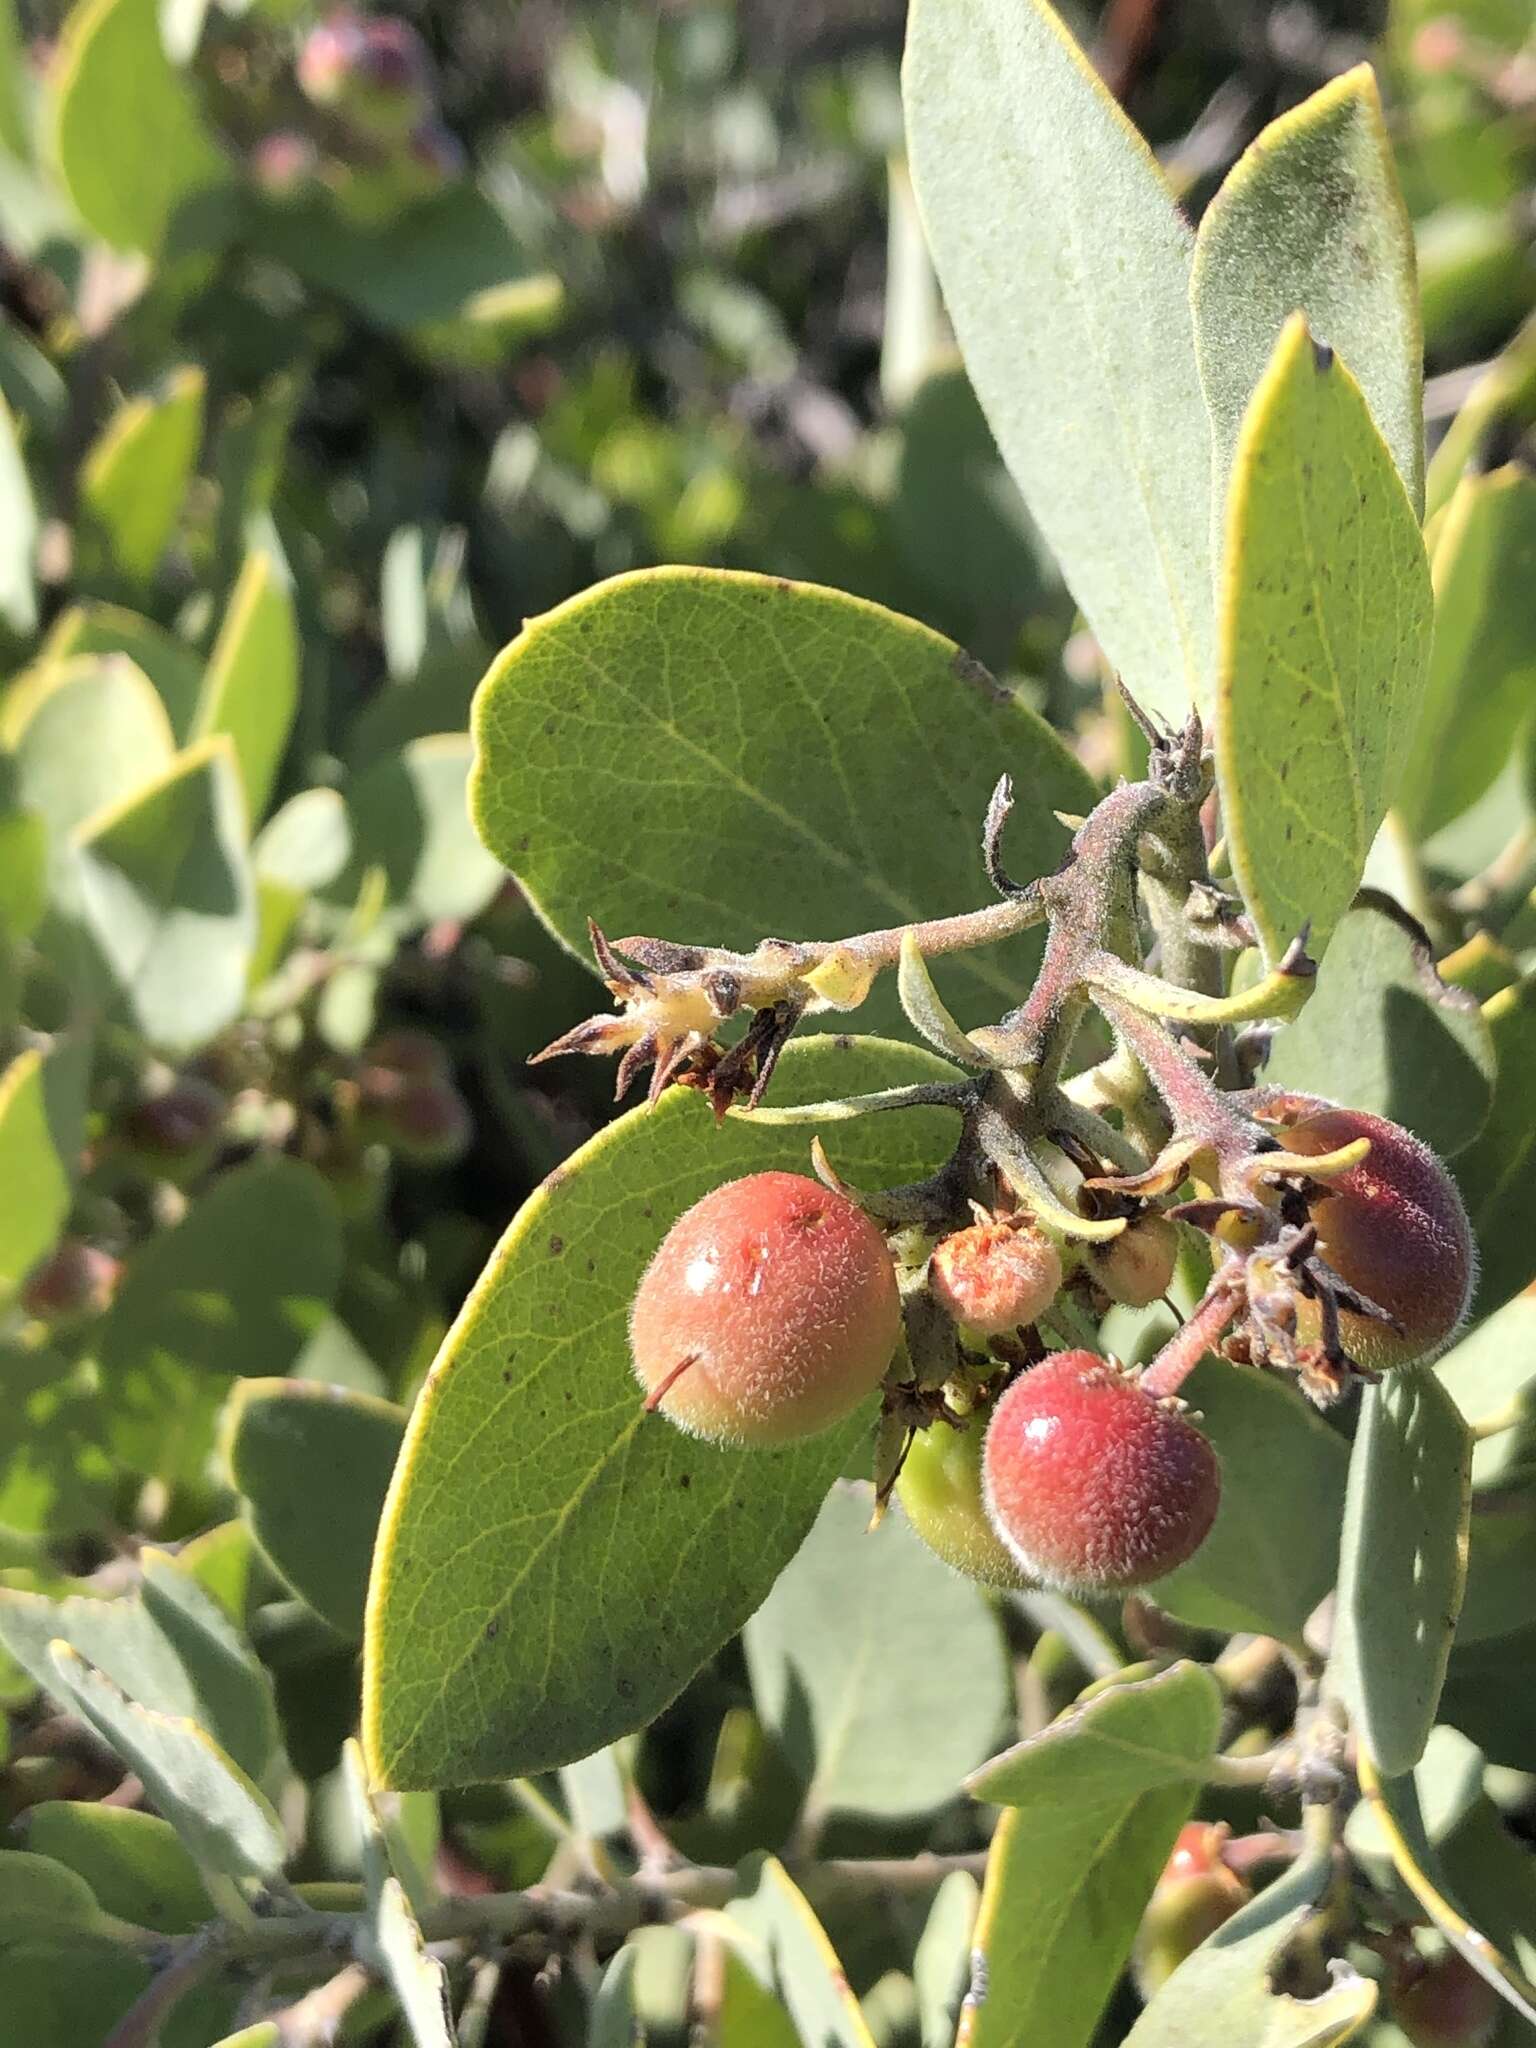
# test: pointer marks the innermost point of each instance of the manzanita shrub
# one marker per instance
(994, 1506)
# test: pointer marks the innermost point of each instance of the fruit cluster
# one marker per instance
(1335, 1242)
(372, 137)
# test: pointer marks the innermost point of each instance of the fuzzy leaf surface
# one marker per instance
(1402, 1564)
(1065, 268)
(1325, 632)
(1311, 219)
(529, 1467)
(767, 746)
(1095, 1803)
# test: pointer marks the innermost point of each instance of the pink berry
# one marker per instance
(1094, 1485)
(994, 1276)
(769, 1312)
(1442, 2002)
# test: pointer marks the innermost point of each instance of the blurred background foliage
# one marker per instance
(327, 356)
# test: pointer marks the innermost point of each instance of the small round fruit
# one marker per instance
(769, 1312)
(1195, 1895)
(995, 1276)
(1094, 1485)
(1444, 2003)
(1136, 1268)
(176, 1132)
(429, 1123)
(75, 1279)
(1392, 1227)
(940, 1489)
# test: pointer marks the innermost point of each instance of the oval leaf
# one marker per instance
(1096, 1802)
(134, 479)
(251, 688)
(788, 1949)
(312, 1463)
(764, 744)
(1497, 1171)
(1402, 1564)
(855, 1650)
(529, 1468)
(1325, 628)
(1037, 193)
(1311, 219)
(34, 1186)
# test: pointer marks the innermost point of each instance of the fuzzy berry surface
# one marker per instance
(778, 1299)
(1393, 1228)
(995, 1276)
(1136, 1268)
(1093, 1485)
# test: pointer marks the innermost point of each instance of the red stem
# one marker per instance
(1190, 1343)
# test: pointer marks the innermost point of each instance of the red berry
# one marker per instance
(1393, 1228)
(76, 1279)
(995, 1276)
(769, 1312)
(1094, 1485)
(1444, 2003)
(1195, 1895)
(429, 1123)
(940, 1489)
(1136, 1268)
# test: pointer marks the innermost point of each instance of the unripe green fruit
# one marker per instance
(1095, 1486)
(769, 1312)
(1195, 1895)
(995, 1276)
(940, 1490)
(1393, 1228)
(1136, 1268)
(1444, 2003)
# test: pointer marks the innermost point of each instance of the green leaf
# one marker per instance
(1311, 219)
(1065, 267)
(448, 271)
(85, 734)
(1483, 668)
(1325, 630)
(40, 1896)
(226, 1823)
(1223, 1994)
(170, 1647)
(1381, 1033)
(313, 1464)
(18, 528)
(1399, 1822)
(1501, 1589)
(1402, 1564)
(529, 1467)
(941, 1968)
(167, 891)
(251, 689)
(856, 1647)
(237, 1287)
(34, 1186)
(788, 1949)
(1095, 1804)
(170, 664)
(417, 1979)
(1273, 1552)
(1142, 1736)
(410, 819)
(1497, 1172)
(762, 742)
(135, 477)
(960, 522)
(127, 136)
(23, 871)
(133, 1862)
(59, 1994)
(1491, 1375)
